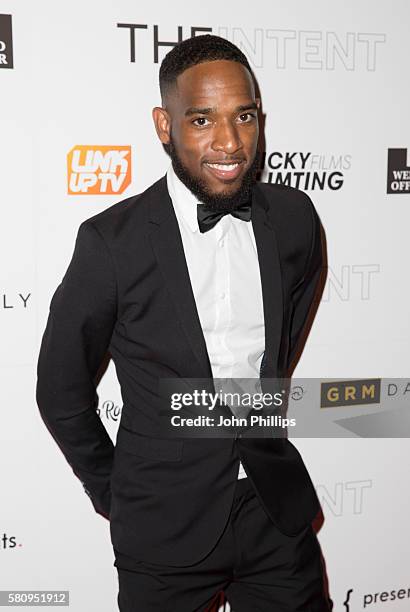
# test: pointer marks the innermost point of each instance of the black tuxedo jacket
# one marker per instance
(127, 290)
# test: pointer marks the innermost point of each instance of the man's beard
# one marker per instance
(223, 201)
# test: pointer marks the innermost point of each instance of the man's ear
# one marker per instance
(162, 122)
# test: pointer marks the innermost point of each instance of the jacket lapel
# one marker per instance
(167, 245)
(271, 280)
(168, 248)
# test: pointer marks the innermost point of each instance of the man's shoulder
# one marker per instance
(131, 210)
(280, 195)
(288, 207)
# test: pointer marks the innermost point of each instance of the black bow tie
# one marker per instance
(207, 217)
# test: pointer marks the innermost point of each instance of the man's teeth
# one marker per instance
(225, 167)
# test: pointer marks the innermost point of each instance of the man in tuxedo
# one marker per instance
(206, 274)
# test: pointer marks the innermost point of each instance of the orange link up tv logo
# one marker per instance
(98, 169)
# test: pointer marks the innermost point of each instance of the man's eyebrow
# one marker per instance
(245, 107)
(194, 110)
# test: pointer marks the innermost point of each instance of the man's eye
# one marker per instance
(201, 121)
(247, 117)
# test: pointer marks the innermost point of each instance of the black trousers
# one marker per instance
(258, 568)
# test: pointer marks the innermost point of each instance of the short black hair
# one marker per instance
(193, 51)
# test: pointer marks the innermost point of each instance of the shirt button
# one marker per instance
(222, 296)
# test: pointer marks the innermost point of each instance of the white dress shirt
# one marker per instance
(224, 272)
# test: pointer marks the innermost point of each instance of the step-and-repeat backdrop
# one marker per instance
(78, 81)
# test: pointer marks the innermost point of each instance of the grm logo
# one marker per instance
(350, 393)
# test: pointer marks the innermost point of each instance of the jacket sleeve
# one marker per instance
(78, 331)
(304, 293)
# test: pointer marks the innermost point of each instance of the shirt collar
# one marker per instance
(183, 200)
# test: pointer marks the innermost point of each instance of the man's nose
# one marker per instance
(226, 138)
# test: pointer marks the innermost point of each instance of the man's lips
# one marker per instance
(227, 170)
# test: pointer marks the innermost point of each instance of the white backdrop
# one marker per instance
(334, 83)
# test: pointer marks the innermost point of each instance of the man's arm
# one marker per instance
(304, 293)
(79, 328)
